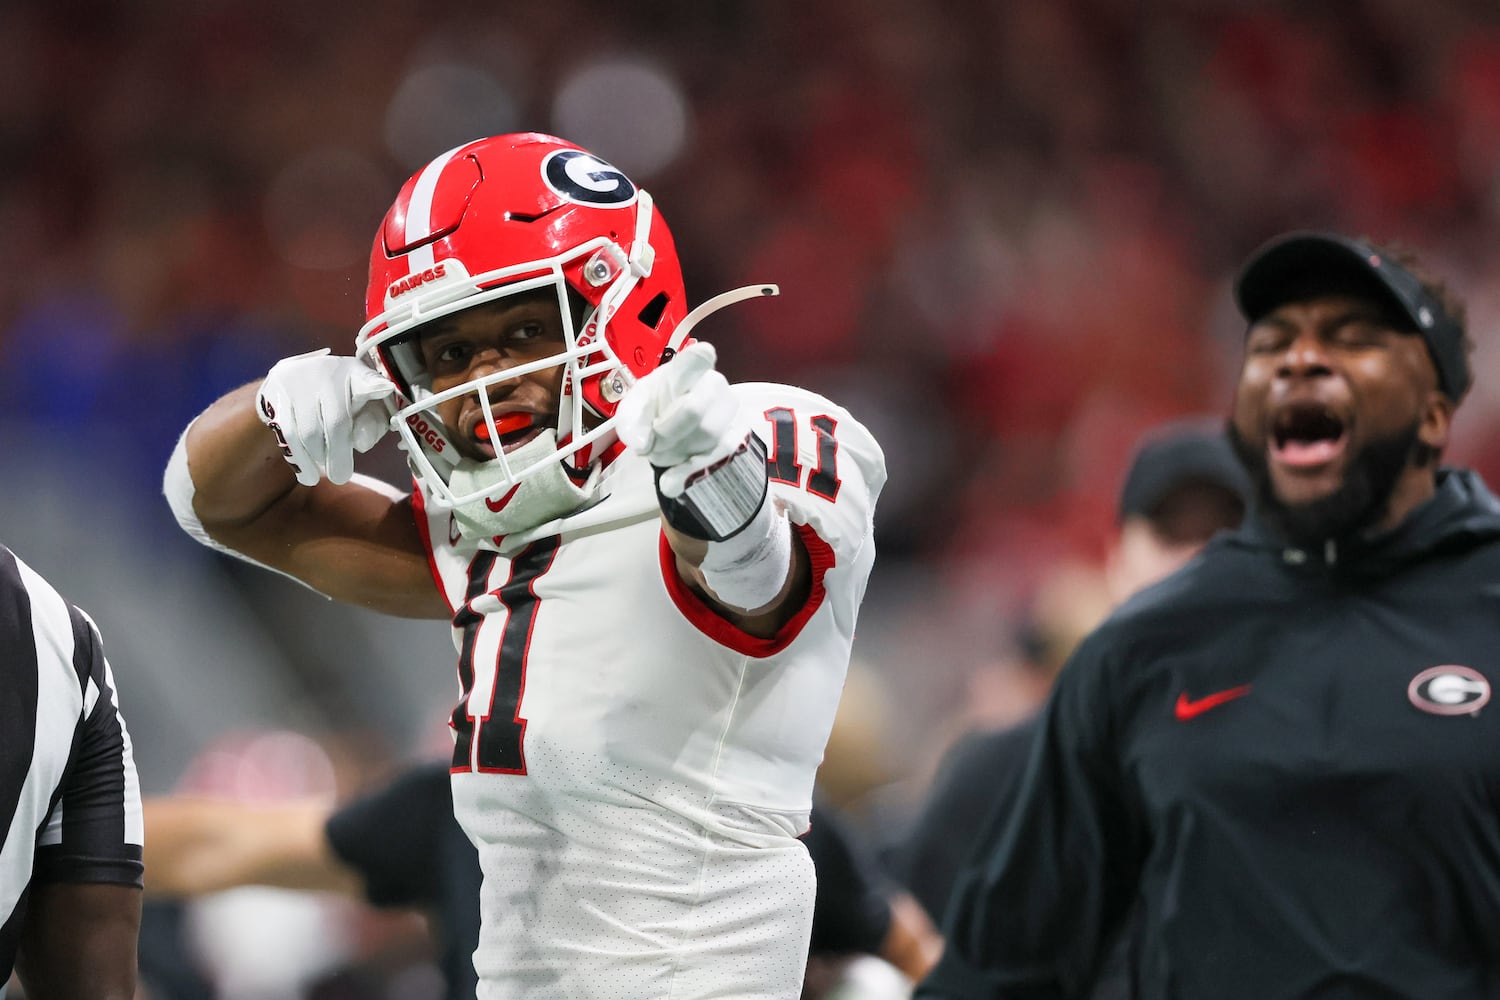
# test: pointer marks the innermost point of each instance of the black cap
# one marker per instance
(1179, 454)
(1300, 265)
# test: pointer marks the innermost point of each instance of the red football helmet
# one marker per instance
(510, 214)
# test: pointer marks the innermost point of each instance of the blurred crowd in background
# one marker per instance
(1004, 232)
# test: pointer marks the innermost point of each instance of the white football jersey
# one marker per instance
(633, 769)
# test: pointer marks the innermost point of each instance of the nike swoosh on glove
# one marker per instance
(323, 408)
(683, 417)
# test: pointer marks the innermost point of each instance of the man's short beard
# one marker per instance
(1359, 503)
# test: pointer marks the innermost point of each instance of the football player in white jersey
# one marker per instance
(653, 575)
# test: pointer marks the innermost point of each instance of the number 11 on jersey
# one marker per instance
(781, 462)
(487, 722)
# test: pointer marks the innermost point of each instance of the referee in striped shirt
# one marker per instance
(70, 862)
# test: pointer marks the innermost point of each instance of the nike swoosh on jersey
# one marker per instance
(498, 505)
(1190, 708)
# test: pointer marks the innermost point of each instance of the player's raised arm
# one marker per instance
(267, 473)
(733, 544)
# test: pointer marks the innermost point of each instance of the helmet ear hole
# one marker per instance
(651, 315)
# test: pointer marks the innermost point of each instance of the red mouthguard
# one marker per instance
(505, 423)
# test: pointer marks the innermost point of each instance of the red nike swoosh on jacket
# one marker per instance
(1188, 708)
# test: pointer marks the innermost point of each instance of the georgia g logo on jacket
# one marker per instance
(1449, 690)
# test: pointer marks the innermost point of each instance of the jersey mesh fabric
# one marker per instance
(631, 780)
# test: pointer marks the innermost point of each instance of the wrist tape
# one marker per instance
(177, 487)
(719, 501)
(749, 570)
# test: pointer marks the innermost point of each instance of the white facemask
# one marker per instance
(546, 494)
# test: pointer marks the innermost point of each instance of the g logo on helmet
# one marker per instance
(585, 179)
(1449, 690)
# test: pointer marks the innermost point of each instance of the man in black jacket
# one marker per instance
(1183, 486)
(1278, 756)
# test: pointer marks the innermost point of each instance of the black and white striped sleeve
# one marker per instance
(68, 784)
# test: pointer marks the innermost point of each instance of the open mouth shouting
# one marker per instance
(1307, 437)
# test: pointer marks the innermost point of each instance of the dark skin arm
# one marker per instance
(361, 545)
(912, 944)
(354, 543)
(79, 942)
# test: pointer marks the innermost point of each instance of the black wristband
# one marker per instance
(721, 499)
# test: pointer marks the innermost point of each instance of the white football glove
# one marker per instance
(323, 408)
(682, 417)
(685, 420)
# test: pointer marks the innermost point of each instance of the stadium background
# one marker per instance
(1004, 233)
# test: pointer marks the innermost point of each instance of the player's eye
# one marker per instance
(1359, 333)
(1266, 340)
(447, 356)
(534, 337)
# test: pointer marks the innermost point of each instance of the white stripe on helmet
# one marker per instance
(419, 211)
